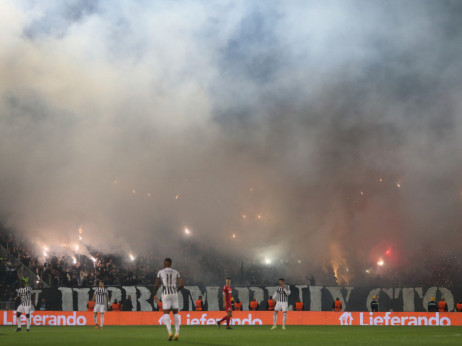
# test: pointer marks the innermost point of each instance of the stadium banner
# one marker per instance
(314, 298)
(112, 318)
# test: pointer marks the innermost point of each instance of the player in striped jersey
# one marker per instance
(25, 294)
(101, 298)
(168, 278)
(282, 303)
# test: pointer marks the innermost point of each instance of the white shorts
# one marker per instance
(101, 308)
(284, 306)
(170, 302)
(24, 309)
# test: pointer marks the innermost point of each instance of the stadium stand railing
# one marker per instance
(34, 278)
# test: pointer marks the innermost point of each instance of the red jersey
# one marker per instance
(227, 292)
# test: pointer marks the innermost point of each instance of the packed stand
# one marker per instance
(198, 265)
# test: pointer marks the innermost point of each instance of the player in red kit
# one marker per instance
(227, 304)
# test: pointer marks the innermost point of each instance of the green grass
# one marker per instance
(240, 335)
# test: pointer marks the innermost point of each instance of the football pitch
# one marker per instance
(240, 335)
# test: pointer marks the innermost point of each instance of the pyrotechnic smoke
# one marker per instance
(325, 131)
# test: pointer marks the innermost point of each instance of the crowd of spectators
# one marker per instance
(8, 280)
(115, 269)
(70, 269)
(12, 258)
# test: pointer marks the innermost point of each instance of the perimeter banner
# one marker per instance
(314, 298)
(77, 318)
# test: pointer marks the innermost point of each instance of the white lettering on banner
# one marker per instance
(181, 300)
(447, 295)
(387, 320)
(145, 294)
(56, 319)
(243, 295)
(271, 290)
(116, 293)
(408, 299)
(258, 294)
(36, 296)
(419, 292)
(82, 298)
(346, 319)
(194, 293)
(315, 301)
(336, 292)
(66, 298)
(206, 321)
(212, 297)
(5, 319)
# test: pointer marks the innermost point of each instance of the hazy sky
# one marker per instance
(328, 131)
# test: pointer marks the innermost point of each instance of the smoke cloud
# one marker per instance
(320, 132)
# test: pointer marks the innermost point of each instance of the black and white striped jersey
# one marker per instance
(101, 295)
(25, 293)
(282, 294)
(169, 278)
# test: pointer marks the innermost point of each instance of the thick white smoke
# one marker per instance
(321, 131)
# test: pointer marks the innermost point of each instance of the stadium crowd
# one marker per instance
(82, 270)
(115, 269)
